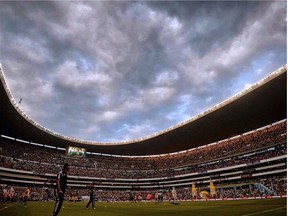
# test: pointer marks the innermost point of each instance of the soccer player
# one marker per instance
(25, 197)
(156, 198)
(160, 196)
(11, 194)
(5, 194)
(47, 197)
(91, 199)
(59, 191)
(174, 196)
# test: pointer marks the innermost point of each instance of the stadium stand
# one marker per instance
(248, 164)
(245, 160)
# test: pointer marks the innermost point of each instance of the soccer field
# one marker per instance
(260, 207)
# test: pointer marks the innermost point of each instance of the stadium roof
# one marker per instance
(262, 104)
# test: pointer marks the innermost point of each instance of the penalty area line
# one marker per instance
(270, 210)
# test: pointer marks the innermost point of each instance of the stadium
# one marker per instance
(230, 158)
(148, 65)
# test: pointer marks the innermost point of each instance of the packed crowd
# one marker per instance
(236, 189)
(265, 143)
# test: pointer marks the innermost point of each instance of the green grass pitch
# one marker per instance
(260, 207)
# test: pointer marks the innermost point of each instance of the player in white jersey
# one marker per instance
(174, 196)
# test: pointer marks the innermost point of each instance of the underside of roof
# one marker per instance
(262, 106)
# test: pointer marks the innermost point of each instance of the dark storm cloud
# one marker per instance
(211, 23)
(117, 70)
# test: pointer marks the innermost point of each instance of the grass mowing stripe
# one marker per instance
(267, 207)
(270, 210)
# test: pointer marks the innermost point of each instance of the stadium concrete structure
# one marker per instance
(261, 106)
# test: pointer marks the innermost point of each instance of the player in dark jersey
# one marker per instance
(59, 191)
(91, 199)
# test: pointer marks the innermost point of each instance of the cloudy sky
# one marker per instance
(119, 70)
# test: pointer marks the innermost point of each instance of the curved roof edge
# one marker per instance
(112, 146)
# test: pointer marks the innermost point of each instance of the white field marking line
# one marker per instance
(201, 207)
(6, 207)
(265, 211)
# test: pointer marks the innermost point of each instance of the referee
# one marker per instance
(59, 191)
(91, 199)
